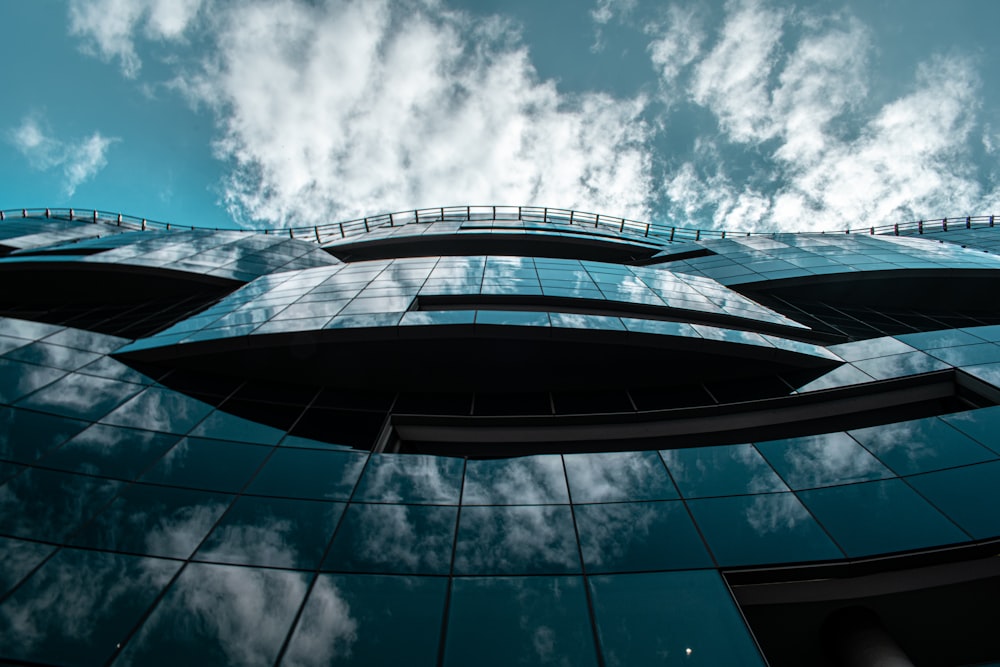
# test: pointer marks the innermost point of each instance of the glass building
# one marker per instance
(497, 436)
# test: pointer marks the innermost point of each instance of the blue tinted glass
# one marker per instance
(19, 558)
(963, 355)
(154, 520)
(84, 396)
(53, 356)
(618, 476)
(78, 606)
(506, 621)
(17, 379)
(307, 473)
(404, 478)
(44, 505)
(224, 426)
(369, 620)
(898, 365)
(214, 465)
(721, 471)
(111, 451)
(822, 460)
(935, 339)
(219, 615)
(411, 539)
(26, 436)
(278, 532)
(160, 410)
(982, 425)
(767, 528)
(966, 495)
(670, 618)
(880, 517)
(921, 445)
(622, 537)
(528, 480)
(537, 539)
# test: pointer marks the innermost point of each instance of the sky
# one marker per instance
(738, 115)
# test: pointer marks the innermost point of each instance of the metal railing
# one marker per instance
(333, 232)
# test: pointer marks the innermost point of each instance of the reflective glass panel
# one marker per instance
(921, 445)
(394, 478)
(528, 480)
(26, 436)
(46, 505)
(670, 618)
(506, 621)
(369, 620)
(19, 558)
(537, 539)
(111, 451)
(595, 478)
(155, 521)
(880, 517)
(278, 532)
(79, 606)
(767, 528)
(409, 539)
(309, 473)
(219, 615)
(214, 465)
(967, 495)
(822, 460)
(721, 471)
(623, 537)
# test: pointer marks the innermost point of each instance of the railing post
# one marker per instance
(143, 226)
(366, 225)
(991, 221)
(672, 230)
(168, 226)
(571, 217)
(944, 225)
(647, 230)
(416, 216)
(545, 214)
(1, 215)
(468, 213)
(95, 215)
(442, 213)
(494, 213)
(71, 214)
(920, 227)
(895, 229)
(697, 235)
(968, 222)
(519, 213)
(723, 233)
(342, 234)
(871, 230)
(316, 231)
(46, 213)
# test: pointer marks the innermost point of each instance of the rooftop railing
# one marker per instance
(333, 232)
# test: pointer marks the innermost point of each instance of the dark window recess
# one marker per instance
(555, 304)
(786, 416)
(808, 615)
(128, 320)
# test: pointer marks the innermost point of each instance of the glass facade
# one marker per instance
(194, 494)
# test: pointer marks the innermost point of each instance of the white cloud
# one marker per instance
(603, 13)
(347, 108)
(732, 80)
(678, 44)
(792, 106)
(108, 26)
(79, 160)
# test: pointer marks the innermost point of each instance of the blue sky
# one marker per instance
(741, 115)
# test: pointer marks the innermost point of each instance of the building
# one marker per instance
(497, 435)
